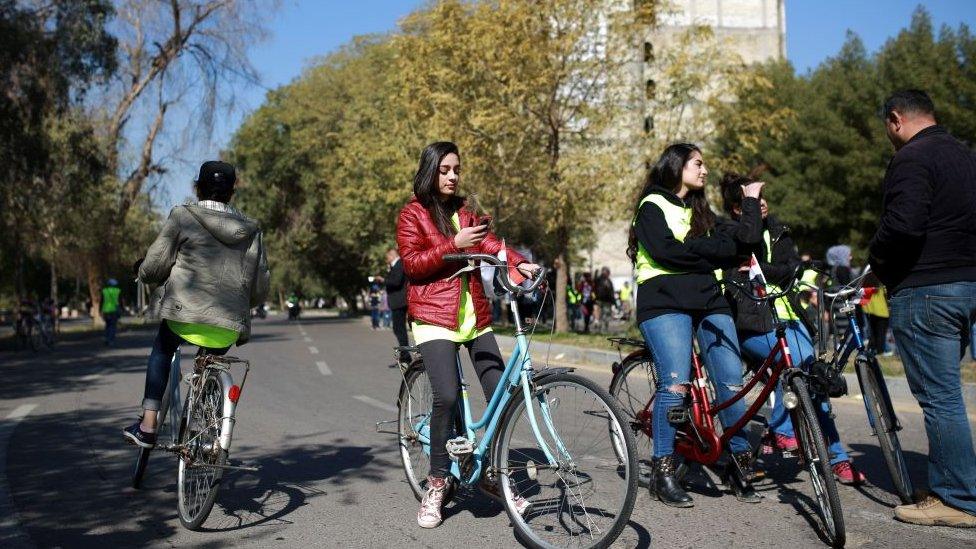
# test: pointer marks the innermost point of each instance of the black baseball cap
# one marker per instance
(215, 172)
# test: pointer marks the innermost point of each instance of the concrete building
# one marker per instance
(754, 29)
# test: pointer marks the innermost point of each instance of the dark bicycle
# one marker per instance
(827, 375)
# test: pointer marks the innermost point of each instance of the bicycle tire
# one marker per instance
(627, 388)
(884, 428)
(816, 460)
(412, 403)
(572, 479)
(197, 485)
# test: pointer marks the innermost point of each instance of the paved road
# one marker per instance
(327, 478)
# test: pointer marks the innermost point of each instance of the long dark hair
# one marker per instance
(426, 190)
(666, 174)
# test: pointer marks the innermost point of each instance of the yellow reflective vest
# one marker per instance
(678, 220)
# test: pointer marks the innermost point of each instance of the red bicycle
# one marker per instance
(699, 440)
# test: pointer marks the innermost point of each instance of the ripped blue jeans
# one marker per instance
(668, 338)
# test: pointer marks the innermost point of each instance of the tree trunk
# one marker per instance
(54, 294)
(95, 292)
(559, 310)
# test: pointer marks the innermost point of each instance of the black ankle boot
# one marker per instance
(738, 474)
(665, 485)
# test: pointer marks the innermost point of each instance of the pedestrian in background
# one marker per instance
(605, 299)
(925, 254)
(373, 298)
(396, 295)
(111, 309)
(587, 300)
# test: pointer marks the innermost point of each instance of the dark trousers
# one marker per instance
(879, 333)
(399, 318)
(160, 361)
(440, 360)
(111, 325)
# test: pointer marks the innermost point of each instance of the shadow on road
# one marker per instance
(69, 475)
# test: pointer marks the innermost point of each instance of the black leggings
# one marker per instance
(440, 360)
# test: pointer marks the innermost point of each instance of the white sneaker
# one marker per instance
(429, 515)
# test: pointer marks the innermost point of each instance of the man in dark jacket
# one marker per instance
(396, 296)
(925, 253)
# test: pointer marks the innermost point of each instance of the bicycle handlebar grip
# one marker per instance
(455, 257)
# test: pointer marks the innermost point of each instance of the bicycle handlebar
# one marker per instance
(495, 262)
(747, 291)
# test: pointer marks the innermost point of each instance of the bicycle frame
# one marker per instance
(229, 401)
(518, 374)
(703, 444)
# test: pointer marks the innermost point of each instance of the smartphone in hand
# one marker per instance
(485, 222)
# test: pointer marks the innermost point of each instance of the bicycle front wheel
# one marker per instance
(816, 461)
(202, 458)
(584, 499)
(885, 427)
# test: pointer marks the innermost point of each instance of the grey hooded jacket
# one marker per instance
(209, 259)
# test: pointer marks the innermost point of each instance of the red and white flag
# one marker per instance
(756, 278)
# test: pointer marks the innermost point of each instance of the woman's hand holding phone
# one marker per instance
(470, 236)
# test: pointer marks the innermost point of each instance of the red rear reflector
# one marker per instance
(234, 393)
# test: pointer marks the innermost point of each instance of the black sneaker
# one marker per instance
(139, 437)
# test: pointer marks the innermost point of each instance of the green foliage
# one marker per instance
(50, 54)
(824, 171)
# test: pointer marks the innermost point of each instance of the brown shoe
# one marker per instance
(932, 512)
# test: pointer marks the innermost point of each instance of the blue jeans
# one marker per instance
(668, 337)
(972, 339)
(160, 361)
(374, 314)
(756, 347)
(111, 324)
(932, 326)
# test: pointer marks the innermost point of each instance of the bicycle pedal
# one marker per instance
(459, 447)
(678, 416)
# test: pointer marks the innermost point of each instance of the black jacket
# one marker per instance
(753, 316)
(694, 291)
(927, 234)
(396, 286)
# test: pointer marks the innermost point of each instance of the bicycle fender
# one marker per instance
(540, 375)
(227, 421)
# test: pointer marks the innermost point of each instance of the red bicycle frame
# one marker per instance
(697, 440)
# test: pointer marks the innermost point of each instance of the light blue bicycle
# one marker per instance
(551, 438)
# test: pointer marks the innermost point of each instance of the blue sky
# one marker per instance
(305, 29)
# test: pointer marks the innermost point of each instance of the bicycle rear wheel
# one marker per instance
(586, 499)
(414, 406)
(885, 428)
(633, 387)
(200, 467)
(816, 460)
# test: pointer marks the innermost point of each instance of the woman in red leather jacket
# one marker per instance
(447, 313)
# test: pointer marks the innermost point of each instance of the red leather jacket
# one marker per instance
(431, 298)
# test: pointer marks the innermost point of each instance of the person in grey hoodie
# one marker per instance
(210, 264)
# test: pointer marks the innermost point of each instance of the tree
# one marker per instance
(325, 169)
(825, 170)
(50, 54)
(174, 54)
(535, 95)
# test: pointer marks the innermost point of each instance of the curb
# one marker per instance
(897, 386)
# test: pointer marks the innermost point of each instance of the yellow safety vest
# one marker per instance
(678, 219)
(783, 307)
